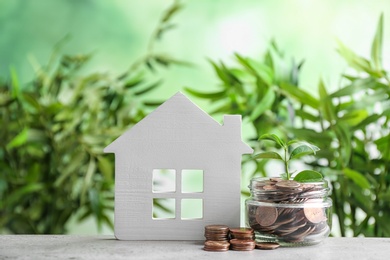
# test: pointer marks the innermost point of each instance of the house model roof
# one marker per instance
(180, 119)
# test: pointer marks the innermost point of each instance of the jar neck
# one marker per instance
(265, 189)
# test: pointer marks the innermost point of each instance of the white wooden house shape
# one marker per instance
(178, 135)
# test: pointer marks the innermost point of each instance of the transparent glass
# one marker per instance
(292, 214)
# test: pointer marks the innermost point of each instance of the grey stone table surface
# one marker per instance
(107, 247)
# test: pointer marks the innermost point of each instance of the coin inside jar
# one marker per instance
(288, 184)
(266, 216)
(314, 215)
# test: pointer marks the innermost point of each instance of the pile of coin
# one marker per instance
(216, 232)
(291, 214)
(241, 239)
(216, 246)
(242, 233)
(217, 238)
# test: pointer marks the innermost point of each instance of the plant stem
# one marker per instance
(286, 163)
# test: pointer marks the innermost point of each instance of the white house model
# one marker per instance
(177, 137)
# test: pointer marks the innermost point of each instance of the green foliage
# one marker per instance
(351, 124)
(52, 138)
(298, 149)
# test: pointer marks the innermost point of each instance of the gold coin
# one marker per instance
(266, 216)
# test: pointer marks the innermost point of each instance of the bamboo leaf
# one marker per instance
(19, 140)
(265, 104)
(354, 117)
(300, 95)
(356, 86)
(376, 47)
(147, 89)
(327, 106)
(355, 61)
(357, 178)
(105, 167)
(211, 95)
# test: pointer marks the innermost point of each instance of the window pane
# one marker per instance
(192, 181)
(163, 208)
(164, 180)
(191, 209)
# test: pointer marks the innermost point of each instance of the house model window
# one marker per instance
(180, 197)
(177, 158)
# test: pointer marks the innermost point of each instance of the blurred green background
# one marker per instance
(118, 31)
(117, 34)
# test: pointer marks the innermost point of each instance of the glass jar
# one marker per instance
(288, 212)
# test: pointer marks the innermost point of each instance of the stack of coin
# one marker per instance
(216, 246)
(216, 232)
(242, 239)
(289, 224)
(242, 233)
(217, 238)
(242, 245)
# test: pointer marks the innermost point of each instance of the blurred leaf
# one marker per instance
(356, 62)
(15, 84)
(376, 47)
(267, 155)
(265, 104)
(173, 9)
(19, 194)
(18, 140)
(357, 178)
(328, 109)
(212, 95)
(356, 86)
(306, 116)
(300, 95)
(256, 69)
(354, 117)
(148, 89)
(134, 81)
(106, 167)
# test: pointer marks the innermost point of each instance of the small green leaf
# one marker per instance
(308, 176)
(304, 149)
(268, 155)
(357, 178)
(273, 137)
